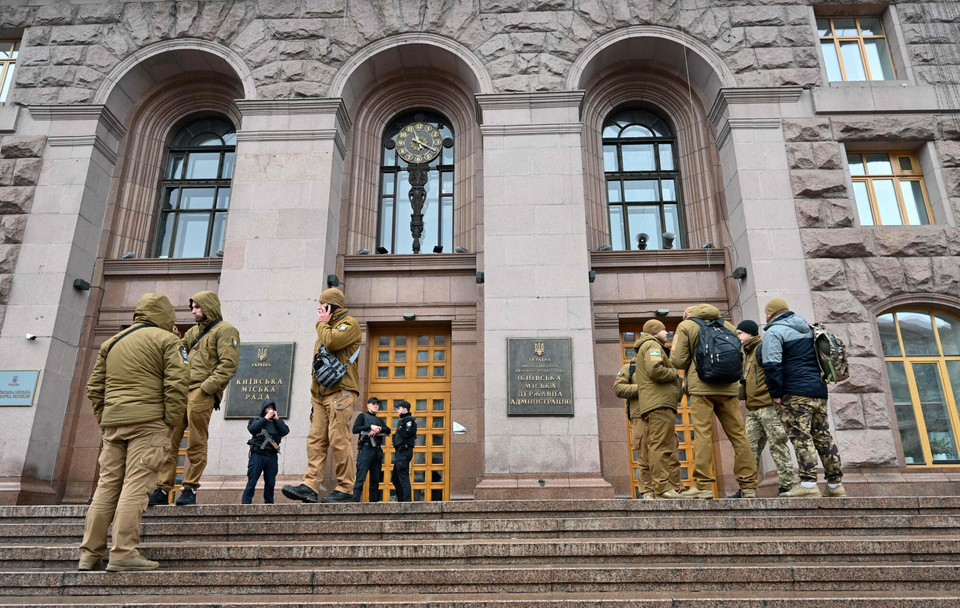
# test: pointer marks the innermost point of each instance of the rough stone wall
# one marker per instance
(851, 270)
(20, 161)
(295, 46)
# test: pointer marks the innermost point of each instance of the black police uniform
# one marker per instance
(369, 455)
(403, 442)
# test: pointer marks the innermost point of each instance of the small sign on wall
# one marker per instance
(265, 372)
(18, 387)
(539, 377)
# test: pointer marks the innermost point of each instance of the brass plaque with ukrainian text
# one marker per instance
(265, 372)
(539, 377)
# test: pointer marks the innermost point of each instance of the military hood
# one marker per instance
(707, 312)
(209, 303)
(645, 338)
(791, 320)
(267, 403)
(156, 309)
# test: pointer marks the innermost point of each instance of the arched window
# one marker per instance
(395, 234)
(196, 190)
(643, 184)
(922, 353)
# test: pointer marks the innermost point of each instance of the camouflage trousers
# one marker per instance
(806, 422)
(763, 424)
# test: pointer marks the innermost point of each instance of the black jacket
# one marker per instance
(790, 358)
(363, 423)
(277, 429)
(406, 435)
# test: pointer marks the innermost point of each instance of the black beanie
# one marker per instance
(749, 327)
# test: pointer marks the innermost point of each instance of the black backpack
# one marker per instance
(718, 356)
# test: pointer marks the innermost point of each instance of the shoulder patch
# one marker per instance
(654, 352)
(183, 354)
(343, 327)
(620, 373)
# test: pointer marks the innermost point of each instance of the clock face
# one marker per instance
(419, 142)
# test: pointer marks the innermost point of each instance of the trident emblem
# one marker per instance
(261, 354)
(538, 348)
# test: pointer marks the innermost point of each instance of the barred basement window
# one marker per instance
(196, 190)
(889, 189)
(855, 48)
(9, 49)
(921, 349)
(643, 183)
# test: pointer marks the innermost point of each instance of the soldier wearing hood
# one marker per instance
(706, 401)
(213, 349)
(138, 389)
(332, 407)
(267, 430)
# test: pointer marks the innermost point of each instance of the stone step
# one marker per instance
(513, 552)
(516, 509)
(740, 598)
(613, 577)
(321, 529)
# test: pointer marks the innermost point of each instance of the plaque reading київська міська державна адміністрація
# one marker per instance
(539, 377)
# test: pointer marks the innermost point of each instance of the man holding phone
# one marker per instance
(332, 407)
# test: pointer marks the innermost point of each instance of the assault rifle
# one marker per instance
(268, 440)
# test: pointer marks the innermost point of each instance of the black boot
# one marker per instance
(159, 497)
(303, 493)
(188, 496)
(337, 496)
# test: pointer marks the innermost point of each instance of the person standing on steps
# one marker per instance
(138, 389)
(267, 430)
(332, 406)
(371, 432)
(213, 346)
(404, 441)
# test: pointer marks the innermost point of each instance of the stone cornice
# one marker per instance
(162, 267)
(752, 95)
(96, 141)
(513, 101)
(547, 129)
(743, 123)
(426, 263)
(657, 259)
(283, 107)
(296, 135)
(81, 112)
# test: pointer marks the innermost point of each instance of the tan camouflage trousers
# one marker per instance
(806, 422)
(763, 425)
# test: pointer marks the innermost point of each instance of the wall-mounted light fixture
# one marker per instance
(479, 278)
(662, 312)
(81, 285)
(739, 273)
(591, 275)
(409, 316)
(333, 280)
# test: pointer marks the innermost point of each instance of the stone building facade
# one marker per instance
(765, 157)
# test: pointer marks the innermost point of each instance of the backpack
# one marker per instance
(327, 369)
(831, 354)
(718, 356)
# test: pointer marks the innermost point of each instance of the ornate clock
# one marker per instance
(419, 143)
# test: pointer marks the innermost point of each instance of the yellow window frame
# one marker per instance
(951, 399)
(859, 38)
(898, 176)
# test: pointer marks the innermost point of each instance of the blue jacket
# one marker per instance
(790, 358)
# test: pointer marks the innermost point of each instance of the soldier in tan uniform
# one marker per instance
(706, 401)
(653, 394)
(213, 346)
(332, 408)
(139, 390)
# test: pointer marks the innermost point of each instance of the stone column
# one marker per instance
(759, 197)
(59, 244)
(536, 286)
(281, 242)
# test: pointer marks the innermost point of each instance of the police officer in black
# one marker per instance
(371, 431)
(403, 441)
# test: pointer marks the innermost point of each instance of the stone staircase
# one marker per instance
(769, 553)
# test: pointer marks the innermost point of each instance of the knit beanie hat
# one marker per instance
(332, 296)
(653, 327)
(749, 327)
(776, 307)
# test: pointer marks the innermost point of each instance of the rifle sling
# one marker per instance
(202, 334)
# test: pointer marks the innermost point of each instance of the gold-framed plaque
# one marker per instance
(265, 372)
(539, 377)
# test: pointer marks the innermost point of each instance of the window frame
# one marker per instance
(859, 38)
(397, 166)
(171, 184)
(659, 175)
(908, 361)
(898, 176)
(8, 68)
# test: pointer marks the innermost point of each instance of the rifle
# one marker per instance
(373, 440)
(268, 440)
